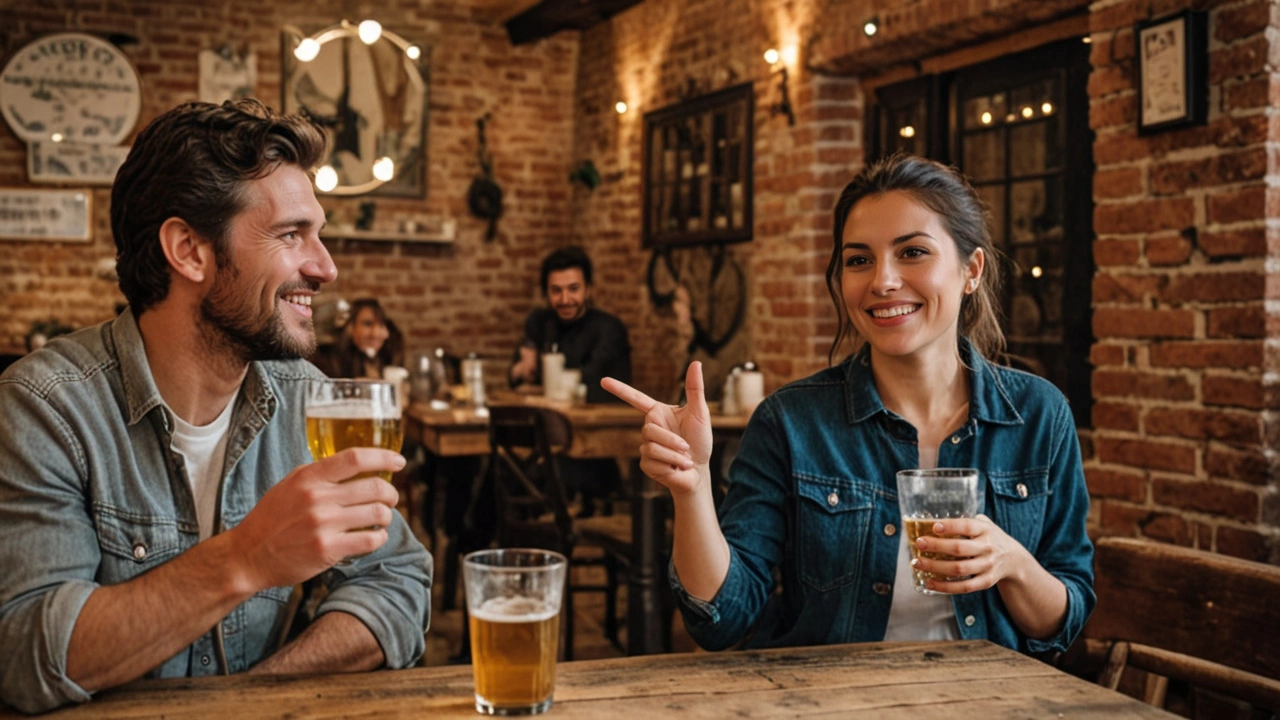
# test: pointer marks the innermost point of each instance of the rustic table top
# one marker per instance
(958, 680)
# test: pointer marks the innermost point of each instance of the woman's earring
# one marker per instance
(973, 284)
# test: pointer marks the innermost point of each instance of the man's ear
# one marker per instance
(190, 255)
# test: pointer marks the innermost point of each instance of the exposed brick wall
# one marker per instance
(471, 296)
(1183, 362)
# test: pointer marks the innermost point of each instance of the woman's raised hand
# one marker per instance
(677, 440)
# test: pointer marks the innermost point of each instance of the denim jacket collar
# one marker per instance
(988, 399)
(140, 391)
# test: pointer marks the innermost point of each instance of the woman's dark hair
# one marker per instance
(193, 162)
(946, 192)
(344, 359)
(563, 259)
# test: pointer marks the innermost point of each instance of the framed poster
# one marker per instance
(54, 215)
(66, 162)
(1172, 66)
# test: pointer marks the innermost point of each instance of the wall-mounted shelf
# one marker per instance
(444, 234)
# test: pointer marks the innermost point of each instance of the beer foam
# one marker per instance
(514, 610)
(352, 410)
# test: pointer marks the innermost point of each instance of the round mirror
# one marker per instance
(366, 87)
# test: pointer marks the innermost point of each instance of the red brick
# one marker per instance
(1224, 425)
(1168, 250)
(1112, 111)
(1247, 94)
(1240, 60)
(1117, 183)
(1146, 454)
(1108, 253)
(1247, 321)
(1215, 287)
(1246, 544)
(1146, 215)
(1234, 23)
(1247, 465)
(1222, 354)
(1136, 323)
(1119, 147)
(1169, 528)
(1237, 205)
(1103, 355)
(1123, 519)
(1206, 497)
(1248, 242)
(1126, 383)
(1110, 287)
(1115, 416)
(1175, 178)
(1104, 81)
(1116, 484)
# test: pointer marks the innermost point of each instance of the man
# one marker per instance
(157, 499)
(591, 340)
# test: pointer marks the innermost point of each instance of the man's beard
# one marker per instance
(229, 324)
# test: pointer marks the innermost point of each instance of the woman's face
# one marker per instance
(368, 332)
(902, 276)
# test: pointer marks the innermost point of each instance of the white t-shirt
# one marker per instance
(203, 450)
(913, 615)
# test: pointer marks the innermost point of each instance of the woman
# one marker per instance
(913, 276)
(369, 342)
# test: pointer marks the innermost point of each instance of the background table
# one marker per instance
(957, 681)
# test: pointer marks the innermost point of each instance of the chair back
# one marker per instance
(1207, 619)
(525, 441)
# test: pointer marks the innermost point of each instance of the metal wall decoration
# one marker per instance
(52, 215)
(50, 162)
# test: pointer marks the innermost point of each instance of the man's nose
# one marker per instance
(320, 266)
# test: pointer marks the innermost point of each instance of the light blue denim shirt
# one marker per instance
(813, 494)
(92, 494)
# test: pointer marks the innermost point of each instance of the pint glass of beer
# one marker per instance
(352, 413)
(926, 496)
(513, 598)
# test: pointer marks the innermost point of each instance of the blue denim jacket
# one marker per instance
(813, 491)
(91, 494)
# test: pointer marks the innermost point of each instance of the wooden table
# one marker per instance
(600, 430)
(963, 680)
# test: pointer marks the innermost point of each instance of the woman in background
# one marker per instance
(368, 343)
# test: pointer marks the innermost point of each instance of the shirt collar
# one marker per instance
(988, 399)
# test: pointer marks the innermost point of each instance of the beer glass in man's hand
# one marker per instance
(344, 414)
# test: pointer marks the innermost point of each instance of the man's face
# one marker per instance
(259, 306)
(568, 293)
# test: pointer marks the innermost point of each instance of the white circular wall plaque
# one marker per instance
(73, 87)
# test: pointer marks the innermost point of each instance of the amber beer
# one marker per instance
(513, 651)
(334, 427)
(923, 527)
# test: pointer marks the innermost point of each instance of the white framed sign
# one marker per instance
(54, 215)
(70, 87)
(65, 162)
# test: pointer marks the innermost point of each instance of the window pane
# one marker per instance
(985, 111)
(1028, 149)
(984, 155)
(1036, 100)
(993, 196)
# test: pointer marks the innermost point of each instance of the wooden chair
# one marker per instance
(1208, 620)
(533, 508)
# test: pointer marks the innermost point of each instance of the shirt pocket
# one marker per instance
(832, 519)
(132, 543)
(1020, 499)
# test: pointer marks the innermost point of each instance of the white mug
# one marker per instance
(552, 366)
(750, 390)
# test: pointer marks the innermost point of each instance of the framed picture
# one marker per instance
(76, 163)
(1172, 71)
(53, 215)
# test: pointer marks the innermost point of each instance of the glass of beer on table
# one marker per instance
(513, 599)
(927, 496)
(344, 414)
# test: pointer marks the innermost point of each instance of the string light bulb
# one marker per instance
(871, 26)
(384, 169)
(326, 178)
(307, 50)
(621, 107)
(771, 56)
(413, 52)
(369, 31)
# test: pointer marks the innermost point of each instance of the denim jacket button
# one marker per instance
(1022, 490)
(833, 499)
(882, 588)
(969, 620)
(955, 439)
(204, 660)
(890, 530)
(139, 552)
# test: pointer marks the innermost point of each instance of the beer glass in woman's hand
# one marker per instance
(343, 414)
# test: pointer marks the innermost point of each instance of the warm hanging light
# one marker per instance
(871, 26)
(307, 50)
(369, 31)
(326, 178)
(1046, 108)
(907, 131)
(56, 137)
(1037, 271)
(1028, 112)
(621, 107)
(986, 118)
(771, 56)
(384, 169)
(413, 51)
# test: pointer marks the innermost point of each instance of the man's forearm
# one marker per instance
(125, 630)
(335, 642)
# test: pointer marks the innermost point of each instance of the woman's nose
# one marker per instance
(886, 277)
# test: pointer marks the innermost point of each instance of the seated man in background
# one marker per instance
(590, 339)
(157, 497)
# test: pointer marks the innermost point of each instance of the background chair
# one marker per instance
(532, 505)
(1206, 620)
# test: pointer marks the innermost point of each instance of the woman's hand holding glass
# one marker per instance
(984, 554)
(677, 440)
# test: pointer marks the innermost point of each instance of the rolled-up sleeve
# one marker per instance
(48, 549)
(389, 591)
